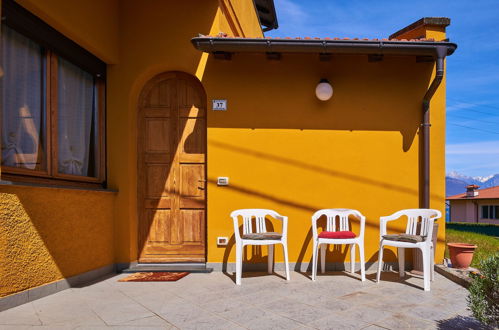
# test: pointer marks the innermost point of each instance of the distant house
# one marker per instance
(475, 205)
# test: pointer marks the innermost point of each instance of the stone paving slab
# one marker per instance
(337, 300)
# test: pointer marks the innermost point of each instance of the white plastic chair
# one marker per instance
(415, 237)
(259, 237)
(338, 233)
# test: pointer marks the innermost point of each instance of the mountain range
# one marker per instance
(455, 183)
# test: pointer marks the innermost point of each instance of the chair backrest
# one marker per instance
(422, 217)
(259, 218)
(337, 219)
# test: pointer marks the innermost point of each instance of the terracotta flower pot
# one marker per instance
(461, 254)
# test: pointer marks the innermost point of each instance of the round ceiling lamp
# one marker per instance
(324, 90)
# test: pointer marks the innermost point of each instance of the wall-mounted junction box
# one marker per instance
(222, 181)
(222, 240)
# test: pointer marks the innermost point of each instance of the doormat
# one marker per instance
(154, 277)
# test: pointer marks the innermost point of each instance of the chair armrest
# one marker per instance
(284, 226)
(362, 225)
(284, 220)
(429, 236)
(384, 220)
(237, 235)
(315, 217)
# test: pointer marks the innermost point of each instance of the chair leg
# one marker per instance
(239, 262)
(285, 249)
(323, 258)
(380, 262)
(271, 258)
(401, 257)
(432, 263)
(362, 261)
(352, 258)
(314, 260)
(426, 268)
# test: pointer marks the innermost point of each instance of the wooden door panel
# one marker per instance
(192, 180)
(159, 181)
(192, 112)
(188, 95)
(161, 94)
(172, 170)
(157, 112)
(157, 158)
(193, 221)
(160, 226)
(192, 138)
(158, 203)
(158, 135)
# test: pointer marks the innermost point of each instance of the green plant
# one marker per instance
(483, 299)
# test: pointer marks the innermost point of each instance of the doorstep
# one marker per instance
(169, 267)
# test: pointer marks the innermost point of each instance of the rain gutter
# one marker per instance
(323, 46)
(439, 75)
(435, 51)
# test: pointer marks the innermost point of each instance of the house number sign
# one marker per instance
(220, 105)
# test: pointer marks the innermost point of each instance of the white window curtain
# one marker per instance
(22, 107)
(76, 106)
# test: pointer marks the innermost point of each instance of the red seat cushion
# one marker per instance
(337, 234)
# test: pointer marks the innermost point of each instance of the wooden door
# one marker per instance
(172, 169)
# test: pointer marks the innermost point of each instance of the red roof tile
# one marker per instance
(225, 35)
(486, 193)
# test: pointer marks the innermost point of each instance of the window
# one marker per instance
(52, 98)
(490, 211)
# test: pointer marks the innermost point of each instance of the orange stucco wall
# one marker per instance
(47, 234)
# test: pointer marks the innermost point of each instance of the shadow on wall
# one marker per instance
(255, 254)
(380, 96)
(311, 167)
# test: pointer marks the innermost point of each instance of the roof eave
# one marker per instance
(258, 45)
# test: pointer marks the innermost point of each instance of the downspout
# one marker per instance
(439, 75)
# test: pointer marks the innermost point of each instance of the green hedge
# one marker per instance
(480, 228)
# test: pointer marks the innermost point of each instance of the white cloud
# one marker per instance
(460, 106)
(473, 148)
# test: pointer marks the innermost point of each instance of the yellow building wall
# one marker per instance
(47, 234)
(238, 18)
(285, 150)
(93, 24)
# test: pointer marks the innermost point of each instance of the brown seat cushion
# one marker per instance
(262, 236)
(405, 238)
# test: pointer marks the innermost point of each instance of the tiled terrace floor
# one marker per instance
(212, 301)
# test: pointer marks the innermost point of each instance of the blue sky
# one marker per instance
(472, 71)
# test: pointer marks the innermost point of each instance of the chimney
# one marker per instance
(472, 190)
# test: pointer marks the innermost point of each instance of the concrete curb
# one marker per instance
(459, 276)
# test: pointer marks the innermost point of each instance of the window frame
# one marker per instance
(57, 45)
(492, 212)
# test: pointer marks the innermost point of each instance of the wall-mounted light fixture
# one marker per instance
(324, 90)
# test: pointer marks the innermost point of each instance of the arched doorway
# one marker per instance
(172, 169)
